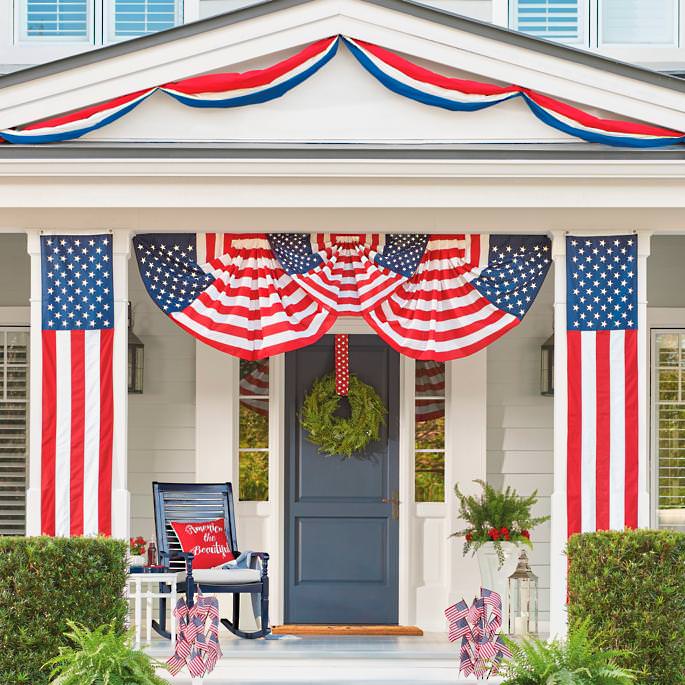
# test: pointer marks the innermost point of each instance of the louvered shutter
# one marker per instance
(559, 20)
(56, 19)
(140, 17)
(638, 22)
(14, 384)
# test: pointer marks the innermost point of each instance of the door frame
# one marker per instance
(350, 326)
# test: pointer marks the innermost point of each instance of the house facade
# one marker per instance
(344, 154)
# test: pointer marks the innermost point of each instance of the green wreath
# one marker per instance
(332, 434)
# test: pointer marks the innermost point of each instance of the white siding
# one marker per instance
(15, 269)
(161, 421)
(520, 424)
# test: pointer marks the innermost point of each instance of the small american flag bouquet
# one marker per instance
(496, 517)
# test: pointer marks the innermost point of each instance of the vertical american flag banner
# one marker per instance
(602, 342)
(77, 391)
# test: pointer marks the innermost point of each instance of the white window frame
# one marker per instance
(583, 19)
(21, 33)
(109, 23)
(596, 8)
(100, 25)
(659, 319)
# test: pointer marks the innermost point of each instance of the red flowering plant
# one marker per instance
(496, 517)
(137, 545)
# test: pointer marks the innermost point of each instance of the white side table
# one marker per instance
(145, 586)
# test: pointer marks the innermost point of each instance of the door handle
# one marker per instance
(395, 501)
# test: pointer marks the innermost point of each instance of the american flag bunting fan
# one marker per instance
(603, 397)
(429, 297)
(77, 408)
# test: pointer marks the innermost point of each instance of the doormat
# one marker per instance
(316, 629)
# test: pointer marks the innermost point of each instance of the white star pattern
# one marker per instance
(77, 283)
(169, 270)
(516, 269)
(602, 283)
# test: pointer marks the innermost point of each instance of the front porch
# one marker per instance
(332, 661)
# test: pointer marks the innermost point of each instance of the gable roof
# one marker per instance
(409, 7)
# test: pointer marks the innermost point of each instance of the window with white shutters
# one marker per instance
(560, 20)
(638, 22)
(140, 17)
(668, 427)
(56, 20)
(14, 396)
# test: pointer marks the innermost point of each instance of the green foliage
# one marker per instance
(630, 587)
(45, 583)
(576, 661)
(103, 656)
(429, 473)
(497, 517)
(337, 436)
(254, 476)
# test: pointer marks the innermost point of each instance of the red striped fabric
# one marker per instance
(77, 404)
(602, 376)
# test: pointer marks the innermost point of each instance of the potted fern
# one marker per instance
(575, 661)
(101, 656)
(497, 524)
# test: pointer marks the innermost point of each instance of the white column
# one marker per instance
(466, 444)
(121, 499)
(35, 370)
(120, 495)
(557, 599)
(644, 505)
(500, 12)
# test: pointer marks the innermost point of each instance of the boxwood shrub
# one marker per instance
(44, 582)
(631, 587)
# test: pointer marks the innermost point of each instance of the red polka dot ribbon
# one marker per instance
(342, 365)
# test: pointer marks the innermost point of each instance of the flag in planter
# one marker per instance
(77, 405)
(602, 323)
(478, 627)
(197, 628)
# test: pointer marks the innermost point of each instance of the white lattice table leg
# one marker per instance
(173, 618)
(148, 615)
(138, 597)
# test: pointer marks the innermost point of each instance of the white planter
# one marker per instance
(137, 560)
(495, 578)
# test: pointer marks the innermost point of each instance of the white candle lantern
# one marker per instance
(523, 599)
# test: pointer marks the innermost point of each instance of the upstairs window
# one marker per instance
(599, 23)
(94, 21)
(559, 20)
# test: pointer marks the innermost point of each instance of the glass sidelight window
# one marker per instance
(429, 432)
(253, 431)
(668, 427)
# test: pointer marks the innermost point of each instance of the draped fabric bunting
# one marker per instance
(77, 407)
(395, 72)
(603, 396)
(429, 297)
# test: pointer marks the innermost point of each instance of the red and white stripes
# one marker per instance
(77, 428)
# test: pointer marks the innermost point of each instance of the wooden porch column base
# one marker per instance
(316, 629)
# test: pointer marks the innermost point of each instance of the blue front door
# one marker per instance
(341, 536)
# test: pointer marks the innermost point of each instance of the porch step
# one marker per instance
(333, 661)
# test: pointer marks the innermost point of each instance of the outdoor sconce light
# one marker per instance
(135, 358)
(547, 367)
(523, 599)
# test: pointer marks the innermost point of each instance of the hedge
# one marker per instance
(43, 583)
(631, 587)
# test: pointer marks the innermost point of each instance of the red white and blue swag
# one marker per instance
(395, 72)
(429, 297)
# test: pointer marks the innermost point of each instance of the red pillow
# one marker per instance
(206, 540)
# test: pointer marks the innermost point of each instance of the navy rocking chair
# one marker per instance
(197, 502)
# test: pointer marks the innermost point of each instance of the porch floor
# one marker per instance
(331, 661)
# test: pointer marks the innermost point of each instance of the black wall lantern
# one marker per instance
(547, 367)
(135, 358)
